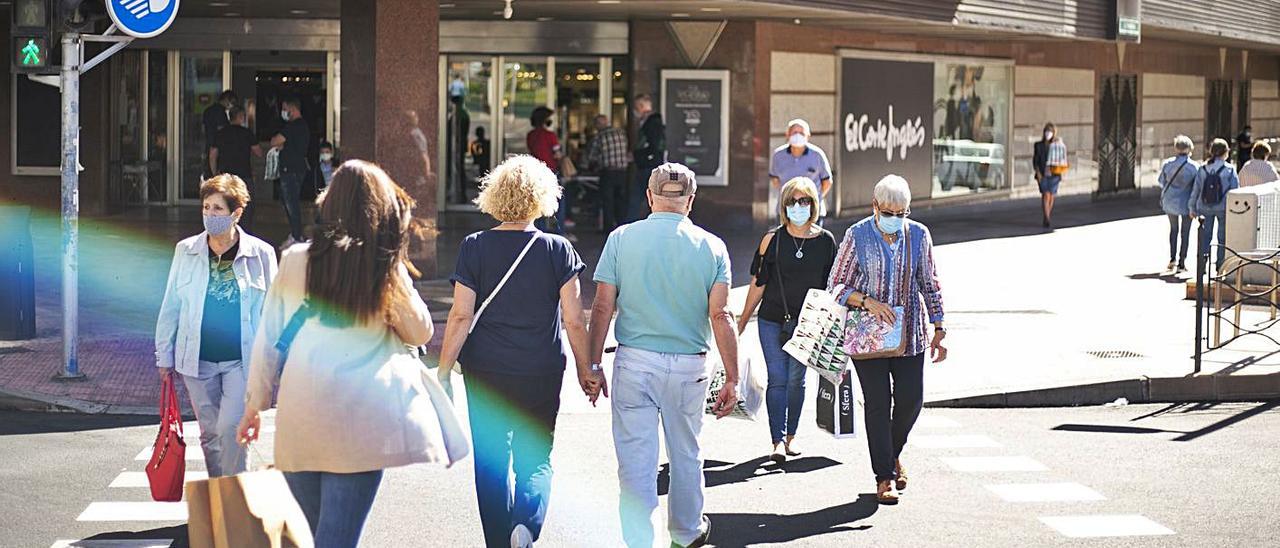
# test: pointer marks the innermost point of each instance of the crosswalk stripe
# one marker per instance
(134, 511)
(1113, 525)
(1045, 492)
(193, 452)
(139, 479)
(994, 464)
(113, 543)
(952, 441)
(936, 421)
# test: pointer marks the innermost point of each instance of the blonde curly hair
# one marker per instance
(519, 189)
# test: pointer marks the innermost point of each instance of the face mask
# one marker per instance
(890, 225)
(284, 114)
(219, 224)
(1048, 135)
(326, 156)
(798, 214)
(798, 140)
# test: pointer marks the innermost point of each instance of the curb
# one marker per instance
(1212, 388)
(22, 400)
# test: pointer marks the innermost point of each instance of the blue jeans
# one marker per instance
(513, 422)
(336, 505)
(1206, 234)
(291, 188)
(784, 396)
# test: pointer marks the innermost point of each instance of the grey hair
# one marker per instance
(893, 190)
(799, 122)
(1182, 143)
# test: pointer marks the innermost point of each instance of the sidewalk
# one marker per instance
(1081, 315)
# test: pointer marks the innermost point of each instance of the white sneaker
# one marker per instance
(521, 537)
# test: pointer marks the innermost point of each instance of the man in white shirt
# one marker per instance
(1258, 170)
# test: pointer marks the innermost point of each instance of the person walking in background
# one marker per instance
(481, 154)
(660, 372)
(1177, 177)
(232, 152)
(608, 155)
(1244, 146)
(1208, 199)
(213, 119)
(328, 163)
(791, 259)
(1258, 170)
(212, 308)
(292, 141)
(800, 158)
(650, 151)
(1049, 160)
(351, 400)
(870, 271)
(512, 347)
(545, 146)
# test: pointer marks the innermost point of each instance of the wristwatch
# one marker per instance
(595, 367)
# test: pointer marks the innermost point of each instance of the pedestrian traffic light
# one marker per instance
(31, 36)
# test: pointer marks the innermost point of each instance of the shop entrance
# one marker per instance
(1117, 148)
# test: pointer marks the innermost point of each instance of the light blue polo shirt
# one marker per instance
(663, 267)
(812, 164)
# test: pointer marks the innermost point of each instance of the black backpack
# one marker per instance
(1211, 192)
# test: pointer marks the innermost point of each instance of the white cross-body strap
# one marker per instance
(476, 319)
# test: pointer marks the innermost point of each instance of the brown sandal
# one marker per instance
(901, 483)
(885, 493)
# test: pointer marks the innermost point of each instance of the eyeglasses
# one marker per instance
(805, 201)
(902, 213)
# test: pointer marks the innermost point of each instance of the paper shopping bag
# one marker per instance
(838, 407)
(750, 390)
(818, 340)
(250, 510)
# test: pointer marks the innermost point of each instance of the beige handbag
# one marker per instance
(249, 510)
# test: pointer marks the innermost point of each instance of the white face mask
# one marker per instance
(326, 156)
(798, 140)
(285, 115)
(1048, 135)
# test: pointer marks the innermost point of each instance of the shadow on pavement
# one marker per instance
(1259, 409)
(738, 473)
(1162, 276)
(1107, 429)
(752, 529)
(14, 423)
(178, 533)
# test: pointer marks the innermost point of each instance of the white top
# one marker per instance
(1256, 172)
(352, 399)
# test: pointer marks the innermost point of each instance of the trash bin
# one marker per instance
(17, 275)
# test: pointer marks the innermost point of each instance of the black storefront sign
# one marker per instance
(694, 110)
(886, 114)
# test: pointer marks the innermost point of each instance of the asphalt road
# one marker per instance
(1197, 474)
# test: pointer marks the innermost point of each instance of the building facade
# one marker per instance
(951, 94)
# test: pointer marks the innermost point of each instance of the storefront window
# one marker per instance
(971, 114)
(577, 102)
(468, 126)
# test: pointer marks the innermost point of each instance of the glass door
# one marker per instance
(468, 126)
(524, 87)
(201, 80)
(578, 94)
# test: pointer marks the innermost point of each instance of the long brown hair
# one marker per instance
(361, 239)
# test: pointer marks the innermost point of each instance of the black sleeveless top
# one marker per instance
(799, 274)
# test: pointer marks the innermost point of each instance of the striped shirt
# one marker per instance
(609, 149)
(869, 265)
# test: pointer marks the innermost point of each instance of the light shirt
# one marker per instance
(1230, 181)
(812, 164)
(664, 268)
(1256, 172)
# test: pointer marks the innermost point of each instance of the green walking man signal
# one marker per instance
(31, 54)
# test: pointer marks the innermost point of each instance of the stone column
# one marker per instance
(390, 95)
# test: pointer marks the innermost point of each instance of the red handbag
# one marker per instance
(167, 468)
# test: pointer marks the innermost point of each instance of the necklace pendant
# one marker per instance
(799, 253)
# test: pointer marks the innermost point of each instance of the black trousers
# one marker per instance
(513, 421)
(613, 197)
(1176, 230)
(891, 409)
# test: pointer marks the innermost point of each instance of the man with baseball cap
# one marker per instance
(668, 281)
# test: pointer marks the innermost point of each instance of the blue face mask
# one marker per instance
(890, 225)
(219, 224)
(799, 214)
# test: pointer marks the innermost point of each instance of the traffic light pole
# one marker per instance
(70, 83)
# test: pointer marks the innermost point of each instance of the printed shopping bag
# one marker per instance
(250, 510)
(838, 409)
(168, 464)
(818, 340)
(750, 390)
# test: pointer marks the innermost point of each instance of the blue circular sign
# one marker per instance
(142, 18)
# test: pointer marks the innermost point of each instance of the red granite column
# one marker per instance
(390, 83)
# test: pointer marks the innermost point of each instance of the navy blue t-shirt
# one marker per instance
(519, 334)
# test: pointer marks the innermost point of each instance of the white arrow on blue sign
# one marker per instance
(142, 18)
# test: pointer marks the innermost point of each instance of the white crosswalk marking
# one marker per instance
(936, 421)
(139, 479)
(193, 452)
(1045, 492)
(134, 511)
(994, 464)
(952, 441)
(1115, 525)
(120, 543)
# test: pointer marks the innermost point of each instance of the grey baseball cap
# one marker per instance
(672, 180)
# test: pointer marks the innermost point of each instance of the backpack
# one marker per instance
(1211, 192)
